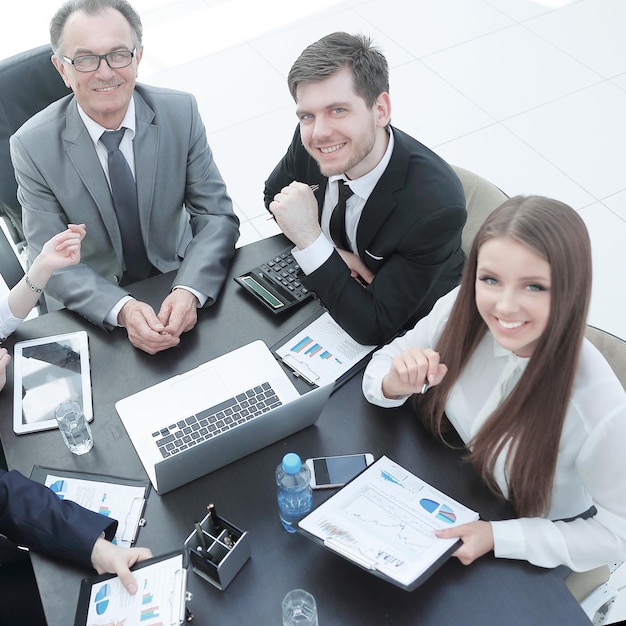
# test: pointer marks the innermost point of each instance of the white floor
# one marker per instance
(530, 94)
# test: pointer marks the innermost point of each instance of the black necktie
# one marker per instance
(124, 192)
(338, 217)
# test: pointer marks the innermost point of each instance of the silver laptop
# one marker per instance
(221, 411)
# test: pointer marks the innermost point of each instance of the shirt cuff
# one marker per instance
(372, 386)
(315, 255)
(8, 321)
(111, 316)
(508, 539)
(200, 296)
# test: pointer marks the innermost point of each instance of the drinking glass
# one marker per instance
(74, 427)
(299, 609)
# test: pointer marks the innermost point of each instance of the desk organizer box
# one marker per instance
(227, 550)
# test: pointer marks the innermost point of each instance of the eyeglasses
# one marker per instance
(91, 62)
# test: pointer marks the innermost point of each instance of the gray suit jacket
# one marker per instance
(186, 215)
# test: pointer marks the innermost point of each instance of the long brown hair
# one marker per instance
(530, 419)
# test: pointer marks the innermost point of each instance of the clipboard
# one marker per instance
(382, 521)
(162, 594)
(131, 522)
(300, 357)
(369, 567)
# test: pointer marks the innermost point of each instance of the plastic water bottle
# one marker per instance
(295, 496)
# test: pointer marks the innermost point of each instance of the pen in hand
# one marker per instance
(313, 188)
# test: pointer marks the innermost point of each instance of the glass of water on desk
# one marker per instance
(299, 609)
(74, 427)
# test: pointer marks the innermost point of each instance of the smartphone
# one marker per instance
(336, 471)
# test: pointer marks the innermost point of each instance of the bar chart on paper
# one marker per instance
(322, 352)
(311, 348)
(104, 508)
(149, 610)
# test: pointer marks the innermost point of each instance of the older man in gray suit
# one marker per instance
(163, 206)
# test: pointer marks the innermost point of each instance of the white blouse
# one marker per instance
(8, 321)
(591, 465)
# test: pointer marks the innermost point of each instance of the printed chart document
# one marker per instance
(321, 352)
(385, 519)
(123, 501)
(160, 597)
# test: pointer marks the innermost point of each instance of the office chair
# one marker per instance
(594, 592)
(28, 83)
(613, 349)
(481, 198)
(10, 267)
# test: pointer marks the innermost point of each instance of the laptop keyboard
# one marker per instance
(211, 422)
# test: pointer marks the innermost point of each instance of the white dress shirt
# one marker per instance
(95, 131)
(313, 256)
(8, 321)
(591, 464)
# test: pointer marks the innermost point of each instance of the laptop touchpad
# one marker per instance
(199, 390)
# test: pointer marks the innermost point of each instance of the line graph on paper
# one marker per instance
(389, 522)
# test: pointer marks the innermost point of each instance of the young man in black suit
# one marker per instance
(398, 248)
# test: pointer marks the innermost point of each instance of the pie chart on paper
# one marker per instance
(446, 514)
(430, 505)
(441, 511)
(59, 487)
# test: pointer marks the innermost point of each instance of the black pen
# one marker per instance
(201, 537)
(212, 513)
(212, 523)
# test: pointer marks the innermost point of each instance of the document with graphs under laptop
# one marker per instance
(219, 412)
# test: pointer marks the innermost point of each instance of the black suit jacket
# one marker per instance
(34, 516)
(409, 235)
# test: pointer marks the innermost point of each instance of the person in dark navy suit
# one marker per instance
(33, 516)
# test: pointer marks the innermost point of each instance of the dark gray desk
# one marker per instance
(491, 591)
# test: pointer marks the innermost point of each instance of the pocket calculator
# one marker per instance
(276, 282)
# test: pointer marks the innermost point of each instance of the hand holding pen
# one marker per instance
(413, 371)
(313, 188)
(296, 210)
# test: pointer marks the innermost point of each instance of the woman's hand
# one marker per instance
(63, 249)
(411, 370)
(477, 538)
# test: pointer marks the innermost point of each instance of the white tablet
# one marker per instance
(48, 371)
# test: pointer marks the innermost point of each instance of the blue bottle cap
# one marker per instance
(291, 463)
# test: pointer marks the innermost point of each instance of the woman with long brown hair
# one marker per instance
(503, 361)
